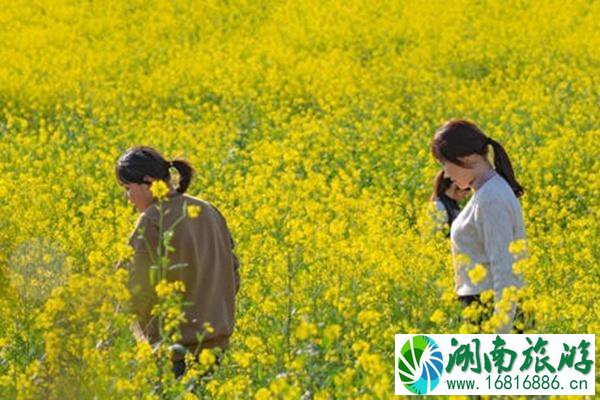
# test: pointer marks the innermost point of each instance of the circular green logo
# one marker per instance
(420, 364)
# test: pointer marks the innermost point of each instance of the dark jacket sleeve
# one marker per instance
(144, 241)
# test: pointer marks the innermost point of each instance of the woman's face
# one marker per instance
(461, 176)
(139, 195)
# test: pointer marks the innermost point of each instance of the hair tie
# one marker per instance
(489, 141)
(491, 154)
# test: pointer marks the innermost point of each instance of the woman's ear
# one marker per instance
(148, 180)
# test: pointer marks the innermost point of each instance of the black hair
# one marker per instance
(460, 138)
(140, 161)
(441, 183)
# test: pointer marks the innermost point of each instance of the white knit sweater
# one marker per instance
(483, 231)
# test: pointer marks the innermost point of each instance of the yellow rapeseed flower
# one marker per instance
(332, 332)
(438, 317)
(487, 296)
(207, 357)
(305, 330)
(477, 273)
(193, 210)
(243, 359)
(159, 189)
(263, 394)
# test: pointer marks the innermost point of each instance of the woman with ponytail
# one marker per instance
(489, 222)
(202, 248)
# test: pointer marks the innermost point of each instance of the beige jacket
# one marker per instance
(211, 272)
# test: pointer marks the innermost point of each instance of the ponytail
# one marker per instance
(185, 174)
(504, 167)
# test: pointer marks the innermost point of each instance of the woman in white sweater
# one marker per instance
(490, 221)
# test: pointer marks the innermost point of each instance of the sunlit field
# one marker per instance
(309, 125)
